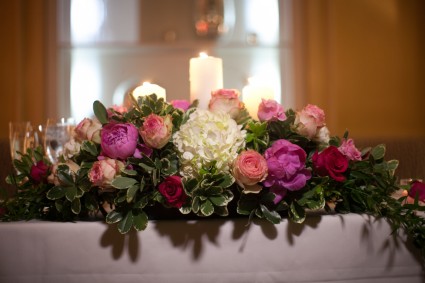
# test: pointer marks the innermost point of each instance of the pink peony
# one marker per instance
(181, 104)
(349, 150)
(286, 168)
(330, 162)
(39, 172)
(119, 141)
(250, 168)
(226, 100)
(88, 129)
(270, 110)
(172, 190)
(104, 171)
(310, 120)
(156, 130)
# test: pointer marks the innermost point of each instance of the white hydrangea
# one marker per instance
(207, 137)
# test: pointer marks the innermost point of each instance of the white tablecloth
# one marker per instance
(331, 248)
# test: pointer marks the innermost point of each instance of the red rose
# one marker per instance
(39, 172)
(417, 188)
(330, 162)
(172, 189)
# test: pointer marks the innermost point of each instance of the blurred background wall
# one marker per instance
(361, 61)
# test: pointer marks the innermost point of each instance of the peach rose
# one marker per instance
(226, 100)
(250, 168)
(309, 120)
(88, 129)
(104, 171)
(156, 130)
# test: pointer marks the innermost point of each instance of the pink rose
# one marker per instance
(181, 104)
(416, 188)
(330, 162)
(310, 120)
(119, 141)
(172, 190)
(88, 129)
(349, 150)
(156, 130)
(104, 171)
(39, 172)
(270, 110)
(226, 100)
(116, 110)
(250, 168)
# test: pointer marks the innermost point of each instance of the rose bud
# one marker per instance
(156, 130)
(250, 168)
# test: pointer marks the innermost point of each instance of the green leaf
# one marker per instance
(90, 147)
(218, 200)
(121, 183)
(100, 112)
(296, 212)
(131, 193)
(56, 192)
(90, 202)
(76, 206)
(70, 192)
(129, 172)
(195, 204)
(207, 208)
(113, 217)
(378, 152)
(140, 221)
(125, 224)
(271, 216)
(64, 178)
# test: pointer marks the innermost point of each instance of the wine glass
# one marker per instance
(21, 137)
(57, 133)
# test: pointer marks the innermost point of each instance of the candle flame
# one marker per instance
(203, 55)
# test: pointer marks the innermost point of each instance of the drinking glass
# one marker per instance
(57, 133)
(21, 137)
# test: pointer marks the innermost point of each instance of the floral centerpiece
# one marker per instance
(128, 164)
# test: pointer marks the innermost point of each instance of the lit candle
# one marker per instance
(205, 76)
(252, 95)
(147, 89)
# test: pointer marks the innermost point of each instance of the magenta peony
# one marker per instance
(270, 110)
(172, 190)
(330, 162)
(226, 100)
(156, 130)
(286, 168)
(180, 104)
(119, 141)
(250, 168)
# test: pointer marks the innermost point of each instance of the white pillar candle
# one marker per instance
(205, 75)
(252, 95)
(147, 89)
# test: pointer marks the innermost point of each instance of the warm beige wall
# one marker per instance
(363, 62)
(27, 30)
